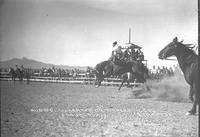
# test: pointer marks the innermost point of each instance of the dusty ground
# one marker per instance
(54, 110)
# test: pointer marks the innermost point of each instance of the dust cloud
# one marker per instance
(173, 89)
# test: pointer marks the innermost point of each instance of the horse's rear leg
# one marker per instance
(121, 85)
(194, 107)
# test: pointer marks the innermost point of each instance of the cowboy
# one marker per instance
(115, 47)
(117, 52)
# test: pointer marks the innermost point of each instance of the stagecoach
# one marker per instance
(126, 60)
(130, 46)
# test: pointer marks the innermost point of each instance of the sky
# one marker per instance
(81, 32)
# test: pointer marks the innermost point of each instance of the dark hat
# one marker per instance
(114, 43)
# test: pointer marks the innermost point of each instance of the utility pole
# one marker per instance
(129, 35)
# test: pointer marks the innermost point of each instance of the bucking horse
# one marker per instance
(108, 68)
(188, 62)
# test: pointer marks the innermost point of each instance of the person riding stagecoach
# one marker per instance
(132, 53)
(126, 56)
(140, 56)
(118, 54)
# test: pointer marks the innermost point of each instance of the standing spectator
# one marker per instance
(154, 71)
(171, 73)
(158, 72)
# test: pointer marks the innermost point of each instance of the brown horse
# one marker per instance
(188, 62)
(108, 68)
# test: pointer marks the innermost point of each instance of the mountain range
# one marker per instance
(29, 63)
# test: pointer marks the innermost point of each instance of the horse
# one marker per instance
(27, 75)
(20, 74)
(108, 68)
(132, 77)
(188, 62)
(13, 74)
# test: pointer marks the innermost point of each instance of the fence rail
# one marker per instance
(70, 80)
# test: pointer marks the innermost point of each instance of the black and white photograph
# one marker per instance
(99, 68)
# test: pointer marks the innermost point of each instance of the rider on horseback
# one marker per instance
(117, 52)
(22, 68)
(17, 69)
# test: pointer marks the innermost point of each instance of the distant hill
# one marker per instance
(29, 63)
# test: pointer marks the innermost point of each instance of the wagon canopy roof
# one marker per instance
(131, 45)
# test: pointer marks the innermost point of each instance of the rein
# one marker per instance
(171, 59)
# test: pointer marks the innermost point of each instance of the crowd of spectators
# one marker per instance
(53, 72)
(159, 73)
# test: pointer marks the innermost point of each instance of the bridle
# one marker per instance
(171, 59)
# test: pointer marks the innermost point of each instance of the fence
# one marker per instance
(77, 80)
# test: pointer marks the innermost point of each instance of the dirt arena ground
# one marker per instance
(66, 110)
